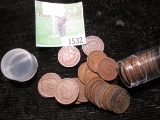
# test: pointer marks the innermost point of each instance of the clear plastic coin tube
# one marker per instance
(19, 65)
(140, 68)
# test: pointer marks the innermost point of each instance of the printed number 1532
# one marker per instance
(75, 41)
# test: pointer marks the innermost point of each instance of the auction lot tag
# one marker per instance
(59, 24)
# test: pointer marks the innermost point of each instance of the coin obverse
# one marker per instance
(66, 91)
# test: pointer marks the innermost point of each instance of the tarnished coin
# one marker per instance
(81, 69)
(107, 69)
(94, 58)
(66, 91)
(88, 74)
(89, 84)
(47, 83)
(92, 43)
(120, 101)
(109, 94)
(81, 97)
(68, 56)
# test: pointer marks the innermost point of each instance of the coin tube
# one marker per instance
(19, 65)
(140, 68)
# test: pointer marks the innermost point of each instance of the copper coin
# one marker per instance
(134, 71)
(68, 56)
(150, 63)
(120, 101)
(92, 43)
(105, 97)
(94, 58)
(66, 91)
(111, 92)
(89, 84)
(155, 62)
(93, 90)
(97, 93)
(88, 74)
(81, 97)
(124, 77)
(81, 69)
(107, 69)
(47, 83)
(101, 97)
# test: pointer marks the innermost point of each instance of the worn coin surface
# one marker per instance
(94, 58)
(47, 83)
(68, 56)
(92, 43)
(81, 69)
(66, 91)
(120, 101)
(107, 69)
(81, 97)
(88, 75)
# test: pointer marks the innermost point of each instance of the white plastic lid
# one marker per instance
(18, 64)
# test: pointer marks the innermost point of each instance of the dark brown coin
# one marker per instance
(105, 97)
(101, 96)
(107, 69)
(89, 85)
(94, 58)
(81, 97)
(120, 101)
(110, 95)
(97, 93)
(93, 91)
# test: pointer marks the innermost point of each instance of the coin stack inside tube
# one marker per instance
(140, 68)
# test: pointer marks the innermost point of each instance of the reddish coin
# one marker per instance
(107, 69)
(47, 83)
(81, 69)
(94, 58)
(68, 56)
(81, 97)
(66, 91)
(88, 74)
(92, 43)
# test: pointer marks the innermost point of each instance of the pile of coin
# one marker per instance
(139, 68)
(71, 90)
(91, 82)
(98, 64)
(106, 96)
(66, 90)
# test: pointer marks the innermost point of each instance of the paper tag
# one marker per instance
(73, 40)
(59, 24)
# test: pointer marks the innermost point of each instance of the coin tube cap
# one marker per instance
(19, 65)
